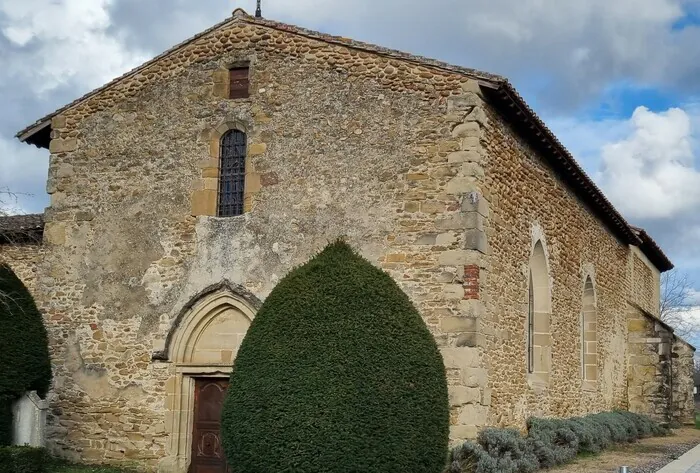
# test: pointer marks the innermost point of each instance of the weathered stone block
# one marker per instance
(453, 292)
(432, 207)
(460, 395)
(64, 170)
(473, 414)
(458, 324)
(220, 76)
(472, 308)
(486, 397)
(446, 239)
(84, 216)
(470, 339)
(478, 115)
(427, 239)
(63, 145)
(462, 357)
(637, 325)
(204, 202)
(470, 143)
(463, 102)
(55, 233)
(472, 170)
(257, 149)
(475, 202)
(460, 185)
(210, 173)
(464, 130)
(463, 432)
(474, 377)
(58, 122)
(468, 156)
(475, 239)
(417, 177)
(458, 258)
(220, 90)
(253, 183)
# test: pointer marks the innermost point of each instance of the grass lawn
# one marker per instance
(697, 420)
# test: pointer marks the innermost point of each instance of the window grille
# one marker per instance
(232, 174)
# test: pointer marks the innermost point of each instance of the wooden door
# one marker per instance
(207, 451)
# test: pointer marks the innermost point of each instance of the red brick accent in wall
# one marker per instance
(471, 281)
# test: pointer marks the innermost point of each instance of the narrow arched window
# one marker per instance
(232, 174)
(589, 332)
(539, 336)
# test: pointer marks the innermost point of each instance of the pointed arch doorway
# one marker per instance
(200, 349)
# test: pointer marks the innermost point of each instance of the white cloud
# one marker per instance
(579, 46)
(650, 174)
(23, 173)
(57, 42)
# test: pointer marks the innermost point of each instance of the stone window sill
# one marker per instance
(589, 386)
(537, 383)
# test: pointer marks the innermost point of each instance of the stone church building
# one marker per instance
(184, 190)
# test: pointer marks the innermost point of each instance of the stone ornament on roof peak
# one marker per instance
(240, 13)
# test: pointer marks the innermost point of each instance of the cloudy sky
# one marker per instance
(617, 80)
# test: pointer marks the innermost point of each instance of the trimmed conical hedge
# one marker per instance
(24, 361)
(337, 373)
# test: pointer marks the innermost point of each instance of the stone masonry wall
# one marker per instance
(683, 368)
(646, 283)
(528, 203)
(341, 142)
(24, 260)
(660, 376)
(650, 378)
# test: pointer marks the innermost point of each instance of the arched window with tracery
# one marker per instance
(589, 333)
(233, 152)
(539, 337)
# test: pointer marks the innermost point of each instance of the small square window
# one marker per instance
(239, 82)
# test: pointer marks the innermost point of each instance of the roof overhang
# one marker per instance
(524, 120)
(653, 251)
(38, 134)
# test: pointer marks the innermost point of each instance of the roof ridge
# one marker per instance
(241, 15)
(500, 85)
(374, 48)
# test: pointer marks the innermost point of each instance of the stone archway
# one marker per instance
(202, 344)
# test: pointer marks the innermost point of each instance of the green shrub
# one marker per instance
(22, 460)
(470, 457)
(553, 441)
(510, 450)
(6, 420)
(338, 372)
(549, 442)
(25, 364)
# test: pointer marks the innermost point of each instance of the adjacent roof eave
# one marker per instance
(653, 251)
(38, 134)
(21, 229)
